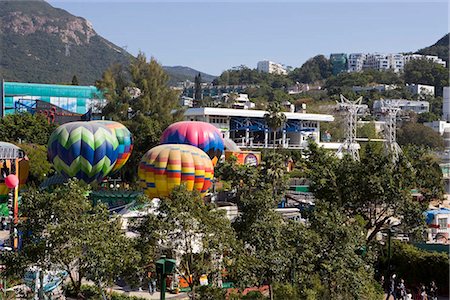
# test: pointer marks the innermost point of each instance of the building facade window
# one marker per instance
(442, 222)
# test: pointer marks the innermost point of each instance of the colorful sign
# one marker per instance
(251, 158)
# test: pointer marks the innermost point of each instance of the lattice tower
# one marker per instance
(350, 145)
(390, 109)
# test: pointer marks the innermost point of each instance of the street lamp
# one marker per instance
(390, 229)
(164, 267)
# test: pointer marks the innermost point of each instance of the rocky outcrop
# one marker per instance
(71, 30)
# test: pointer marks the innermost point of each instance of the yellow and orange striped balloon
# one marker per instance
(166, 166)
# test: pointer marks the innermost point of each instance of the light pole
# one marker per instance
(390, 229)
(164, 266)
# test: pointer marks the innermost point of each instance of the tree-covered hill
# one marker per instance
(40, 43)
(182, 73)
(440, 48)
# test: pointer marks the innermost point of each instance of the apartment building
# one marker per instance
(381, 62)
(356, 62)
(432, 58)
(271, 67)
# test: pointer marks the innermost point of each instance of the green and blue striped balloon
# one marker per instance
(84, 150)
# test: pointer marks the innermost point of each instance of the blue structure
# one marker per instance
(19, 96)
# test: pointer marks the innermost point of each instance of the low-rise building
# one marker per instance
(249, 130)
(420, 89)
(242, 102)
(405, 105)
(378, 87)
(438, 225)
(19, 96)
(438, 126)
(432, 58)
(186, 101)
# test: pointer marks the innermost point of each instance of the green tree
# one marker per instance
(75, 80)
(427, 117)
(265, 257)
(419, 135)
(372, 188)
(275, 119)
(314, 69)
(139, 96)
(198, 87)
(320, 258)
(332, 248)
(424, 71)
(409, 261)
(40, 167)
(65, 231)
(196, 233)
(25, 128)
(428, 173)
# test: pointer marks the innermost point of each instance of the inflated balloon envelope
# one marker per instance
(198, 134)
(85, 150)
(125, 139)
(166, 166)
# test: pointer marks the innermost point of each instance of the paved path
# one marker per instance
(439, 298)
(146, 294)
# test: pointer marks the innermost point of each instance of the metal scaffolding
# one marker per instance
(389, 110)
(350, 145)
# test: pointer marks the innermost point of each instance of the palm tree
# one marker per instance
(275, 119)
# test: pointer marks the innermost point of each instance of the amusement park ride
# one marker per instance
(10, 156)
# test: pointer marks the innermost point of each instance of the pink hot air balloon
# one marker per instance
(198, 134)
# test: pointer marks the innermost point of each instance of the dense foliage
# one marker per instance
(138, 96)
(193, 232)
(423, 71)
(40, 167)
(315, 69)
(416, 134)
(25, 128)
(417, 266)
(373, 189)
(65, 231)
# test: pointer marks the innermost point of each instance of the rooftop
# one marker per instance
(202, 111)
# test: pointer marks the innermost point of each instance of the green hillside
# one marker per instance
(40, 43)
(181, 73)
(440, 48)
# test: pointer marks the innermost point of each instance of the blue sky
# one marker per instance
(213, 36)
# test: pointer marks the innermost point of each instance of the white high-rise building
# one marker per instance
(432, 58)
(271, 67)
(382, 62)
(356, 62)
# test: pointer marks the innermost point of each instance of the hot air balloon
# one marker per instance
(125, 139)
(85, 150)
(199, 134)
(166, 166)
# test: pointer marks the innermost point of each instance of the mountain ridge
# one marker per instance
(440, 49)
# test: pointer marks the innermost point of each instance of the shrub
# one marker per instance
(285, 292)
(254, 295)
(210, 293)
